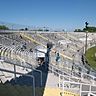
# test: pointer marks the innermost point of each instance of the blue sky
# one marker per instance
(59, 14)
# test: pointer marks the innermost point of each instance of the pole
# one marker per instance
(86, 42)
(33, 86)
(63, 88)
(41, 76)
(86, 26)
(59, 80)
(14, 72)
(80, 89)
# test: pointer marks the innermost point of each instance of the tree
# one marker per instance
(46, 30)
(78, 30)
(90, 29)
(3, 27)
(21, 29)
(26, 29)
(40, 30)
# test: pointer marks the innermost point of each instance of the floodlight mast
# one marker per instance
(86, 26)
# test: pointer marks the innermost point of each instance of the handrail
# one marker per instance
(22, 74)
(79, 87)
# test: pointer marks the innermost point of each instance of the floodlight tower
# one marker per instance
(86, 26)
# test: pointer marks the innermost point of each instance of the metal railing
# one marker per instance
(70, 80)
(14, 72)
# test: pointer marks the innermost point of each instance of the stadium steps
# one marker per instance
(52, 81)
(2, 51)
(52, 41)
(72, 38)
(6, 76)
(17, 56)
(74, 46)
(61, 46)
(33, 40)
(38, 38)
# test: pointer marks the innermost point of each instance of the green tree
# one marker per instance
(26, 29)
(3, 27)
(90, 29)
(40, 30)
(46, 30)
(78, 30)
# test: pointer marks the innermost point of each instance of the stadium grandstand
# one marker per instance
(45, 63)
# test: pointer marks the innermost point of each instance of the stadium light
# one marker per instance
(86, 26)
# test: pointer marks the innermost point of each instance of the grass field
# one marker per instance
(91, 58)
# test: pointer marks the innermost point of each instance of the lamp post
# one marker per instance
(86, 26)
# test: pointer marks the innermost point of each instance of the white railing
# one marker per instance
(91, 94)
(14, 72)
(66, 81)
(81, 88)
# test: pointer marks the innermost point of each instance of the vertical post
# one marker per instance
(11, 52)
(84, 49)
(80, 89)
(63, 88)
(41, 79)
(33, 89)
(90, 88)
(81, 76)
(86, 26)
(86, 42)
(15, 72)
(59, 80)
(36, 55)
(33, 86)
(93, 81)
(89, 94)
(41, 76)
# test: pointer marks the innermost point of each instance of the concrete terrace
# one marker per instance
(67, 76)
